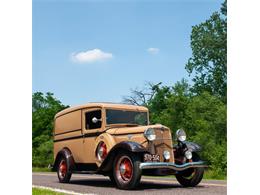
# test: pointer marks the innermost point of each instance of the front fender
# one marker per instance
(193, 147)
(130, 146)
(134, 147)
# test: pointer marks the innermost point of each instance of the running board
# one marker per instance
(85, 172)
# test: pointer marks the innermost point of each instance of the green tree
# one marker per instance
(203, 116)
(208, 64)
(169, 104)
(205, 121)
(44, 108)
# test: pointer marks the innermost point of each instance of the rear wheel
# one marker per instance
(126, 171)
(191, 177)
(63, 172)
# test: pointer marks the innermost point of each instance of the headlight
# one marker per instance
(150, 134)
(166, 155)
(188, 154)
(181, 135)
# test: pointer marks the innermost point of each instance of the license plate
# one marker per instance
(151, 157)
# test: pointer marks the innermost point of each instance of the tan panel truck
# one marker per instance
(117, 140)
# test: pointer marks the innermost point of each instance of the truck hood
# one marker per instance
(136, 129)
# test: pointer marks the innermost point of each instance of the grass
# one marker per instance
(209, 174)
(41, 169)
(39, 191)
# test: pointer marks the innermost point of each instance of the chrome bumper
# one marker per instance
(168, 165)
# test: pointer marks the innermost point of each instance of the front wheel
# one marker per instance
(126, 171)
(191, 177)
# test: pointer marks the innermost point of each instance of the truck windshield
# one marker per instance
(126, 117)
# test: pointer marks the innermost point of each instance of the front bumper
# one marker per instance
(169, 165)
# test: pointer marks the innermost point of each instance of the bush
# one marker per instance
(44, 108)
(43, 155)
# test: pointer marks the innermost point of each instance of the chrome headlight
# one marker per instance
(150, 134)
(188, 154)
(166, 155)
(181, 135)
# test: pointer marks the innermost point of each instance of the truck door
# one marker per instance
(91, 125)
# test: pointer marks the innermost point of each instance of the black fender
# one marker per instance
(65, 152)
(125, 145)
(193, 147)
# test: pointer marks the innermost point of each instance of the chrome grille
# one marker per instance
(162, 142)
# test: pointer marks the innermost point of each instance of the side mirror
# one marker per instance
(95, 120)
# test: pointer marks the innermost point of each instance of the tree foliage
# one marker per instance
(44, 107)
(208, 63)
(202, 116)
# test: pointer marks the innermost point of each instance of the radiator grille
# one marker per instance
(162, 142)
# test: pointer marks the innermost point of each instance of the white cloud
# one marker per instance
(91, 56)
(153, 50)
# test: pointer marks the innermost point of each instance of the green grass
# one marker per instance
(39, 191)
(209, 174)
(41, 169)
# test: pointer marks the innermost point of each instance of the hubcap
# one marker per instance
(62, 169)
(124, 169)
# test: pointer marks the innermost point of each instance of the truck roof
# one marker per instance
(101, 105)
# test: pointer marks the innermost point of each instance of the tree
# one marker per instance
(167, 102)
(44, 108)
(203, 116)
(208, 63)
(206, 123)
(141, 97)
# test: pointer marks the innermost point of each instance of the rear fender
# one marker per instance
(65, 152)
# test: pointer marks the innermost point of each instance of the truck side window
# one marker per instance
(89, 116)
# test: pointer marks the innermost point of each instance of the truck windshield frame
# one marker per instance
(135, 117)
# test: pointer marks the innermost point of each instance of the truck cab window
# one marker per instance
(89, 122)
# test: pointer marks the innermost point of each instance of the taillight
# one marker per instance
(101, 151)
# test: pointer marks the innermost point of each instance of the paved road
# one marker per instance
(96, 184)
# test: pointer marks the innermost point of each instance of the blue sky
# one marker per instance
(89, 51)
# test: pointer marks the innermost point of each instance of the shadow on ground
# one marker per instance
(108, 184)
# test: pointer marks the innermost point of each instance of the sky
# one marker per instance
(96, 51)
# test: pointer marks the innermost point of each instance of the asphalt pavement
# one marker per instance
(98, 184)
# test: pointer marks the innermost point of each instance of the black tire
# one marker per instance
(127, 178)
(111, 177)
(191, 177)
(63, 170)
